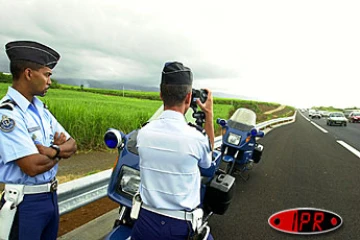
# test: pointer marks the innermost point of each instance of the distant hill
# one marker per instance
(119, 86)
(106, 84)
(4, 65)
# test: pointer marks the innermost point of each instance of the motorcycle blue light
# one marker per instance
(112, 138)
(221, 122)
(253, 132)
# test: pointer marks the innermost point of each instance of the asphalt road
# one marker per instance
(301, 167)
(349, 134)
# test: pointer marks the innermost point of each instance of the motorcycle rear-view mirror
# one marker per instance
(260, 134)
(256, 133)
(221, 122)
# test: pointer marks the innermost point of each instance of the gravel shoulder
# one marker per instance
(281, 107)
(82, 164)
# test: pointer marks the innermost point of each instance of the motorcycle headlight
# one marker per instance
(129, 180)
(233, 139)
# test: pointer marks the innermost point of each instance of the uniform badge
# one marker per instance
(33, 137)
(7, 124)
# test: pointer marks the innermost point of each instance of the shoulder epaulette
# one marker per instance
(8, 104)
(200, 129)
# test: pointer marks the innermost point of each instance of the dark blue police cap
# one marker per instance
(32, 52)
(176, 73)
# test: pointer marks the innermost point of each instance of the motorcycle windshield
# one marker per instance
(188, 115)
(243, 119)
(132, 142)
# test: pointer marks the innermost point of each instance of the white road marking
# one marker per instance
(321, 129)
(348, 147)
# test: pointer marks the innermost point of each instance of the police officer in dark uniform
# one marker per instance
(32, 144)
(170, 154)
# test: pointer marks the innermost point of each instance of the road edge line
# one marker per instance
(304, 116)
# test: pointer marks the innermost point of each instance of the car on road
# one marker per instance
(311, 112)
(354, 117)
(336, 118)
(324, 113)
(316, 115)
(348, 111)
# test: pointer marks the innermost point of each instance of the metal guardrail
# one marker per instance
(276, 121)
(82, 191)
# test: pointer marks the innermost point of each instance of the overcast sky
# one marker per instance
(300, 53)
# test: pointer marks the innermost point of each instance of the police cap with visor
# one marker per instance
(32, 52)
(175, 73)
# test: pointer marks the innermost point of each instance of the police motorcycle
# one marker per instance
(216, 186)
(239, 149)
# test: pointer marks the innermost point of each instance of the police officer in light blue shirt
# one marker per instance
(32, 143)
(170, 154)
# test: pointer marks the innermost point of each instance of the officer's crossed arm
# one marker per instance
(62, 139)
(59, 138)
(35, 164)
(66, 147)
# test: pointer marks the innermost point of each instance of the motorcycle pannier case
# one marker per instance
(219, 193)
(256, 156)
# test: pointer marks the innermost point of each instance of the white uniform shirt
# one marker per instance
(170, 152)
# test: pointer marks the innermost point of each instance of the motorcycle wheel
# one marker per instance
(242, 171)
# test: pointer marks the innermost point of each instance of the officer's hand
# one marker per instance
(45, 150)
(41, 148)
(48, 151)
(59, 138)
(206, 107)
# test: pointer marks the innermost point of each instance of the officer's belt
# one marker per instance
(195, 216)
(181, 215)
(41, 188)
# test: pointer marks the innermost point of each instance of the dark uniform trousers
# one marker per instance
(153, 226)
(37, 218)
